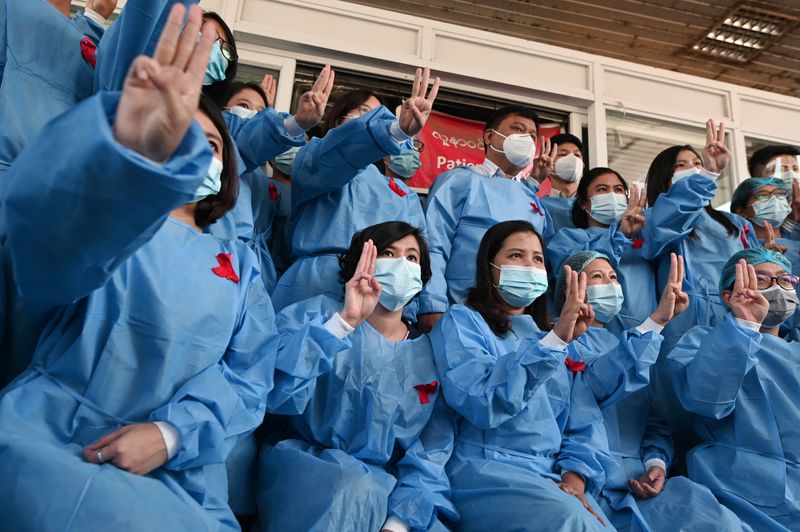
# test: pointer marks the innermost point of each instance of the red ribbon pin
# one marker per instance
(743, 236)
(396, 188)
(575, 366)
(274, 194)
(89, 51)
(536, 208)
(425, 390)
(638, 242)
(225, 268)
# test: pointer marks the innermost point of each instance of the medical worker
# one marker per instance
(739, 378)
(680, 187)
(607, 218)
(466, 201)
(161, 351)
(636, 496)
(337, 191)
(783, 163)
(530, 451)
(568, 168)
(376, 435)
(278, 236)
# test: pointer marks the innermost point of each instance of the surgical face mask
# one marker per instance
(519, 286)
(605, 299)
(519, 149)
(212, 183)
(400, 280)
(608, 208)
(242, 112)
(677, 176)
(217, 65)
(782, 304)
(773, 210)
(405, 165)
(569, 168)
(285, 161)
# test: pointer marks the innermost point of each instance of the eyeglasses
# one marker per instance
(778, 193)
(418, 145)
(786, 281)
(228, 52)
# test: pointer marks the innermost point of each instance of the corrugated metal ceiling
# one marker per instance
(649, 32)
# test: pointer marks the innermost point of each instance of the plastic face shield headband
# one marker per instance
(784, 167)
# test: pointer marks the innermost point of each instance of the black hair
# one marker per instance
(383, 235)
(580, 218)
(659, 179)
(235, 87)
(497, 116)
(484, 297)
(762, 156)
(212, 208)
(346, 103)
(566, 138)
(219, 89)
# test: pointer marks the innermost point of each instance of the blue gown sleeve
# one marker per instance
(487, 388)
(568, 241)
(442, 213)
(657, 439)
(262, 137)
(88, 27)
(329, 163)
(622, 370)
(76, 209)
(675, 214)
(3, 40)
(584, 444)
(306, 351)
(708, 366)
(227, 400)
(422, 492)
(133, 33)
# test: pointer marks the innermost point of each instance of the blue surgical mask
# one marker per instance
(400, 281)
(212, 183)
(217, 65)
(242, 112)
(605, 299)
(521, 285)
(773, 210)
(677, 176)
(405, 165)
(608, 208)
(285, 161)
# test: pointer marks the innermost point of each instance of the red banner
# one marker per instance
(451, 142)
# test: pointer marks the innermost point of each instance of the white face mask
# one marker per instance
(212, 183)
(569, 168)
(242, 112)
(519, 149)
(608, 208)
(677, 176)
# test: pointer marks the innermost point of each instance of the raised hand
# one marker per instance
(673, 299)
(575, 306)
(746, 301)
(104, 8)
(544, 164)
(715, 154)
(311, 107)
(137, 448)
(633, 220)
(584, 321)
(270, 86)
(649, 484)
(362, 291)
(161, 94)
(769, 242)
(415, 110)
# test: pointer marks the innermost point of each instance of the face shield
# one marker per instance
(785, 167)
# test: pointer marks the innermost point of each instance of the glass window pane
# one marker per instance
(634, 141)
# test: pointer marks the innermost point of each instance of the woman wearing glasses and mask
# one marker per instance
(337, 190)
(376, 435)
(740, 380)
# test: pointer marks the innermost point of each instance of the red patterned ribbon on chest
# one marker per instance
(426, 390)
(575, 366)
(225, 268)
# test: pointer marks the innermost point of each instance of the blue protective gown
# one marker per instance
(634, 272)
(560, 211)
(618, 369)
(42, 71)
(462, 207)
(337, 191)
(523, 418)
(742, 387)
(373, 444)
(131, 338)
